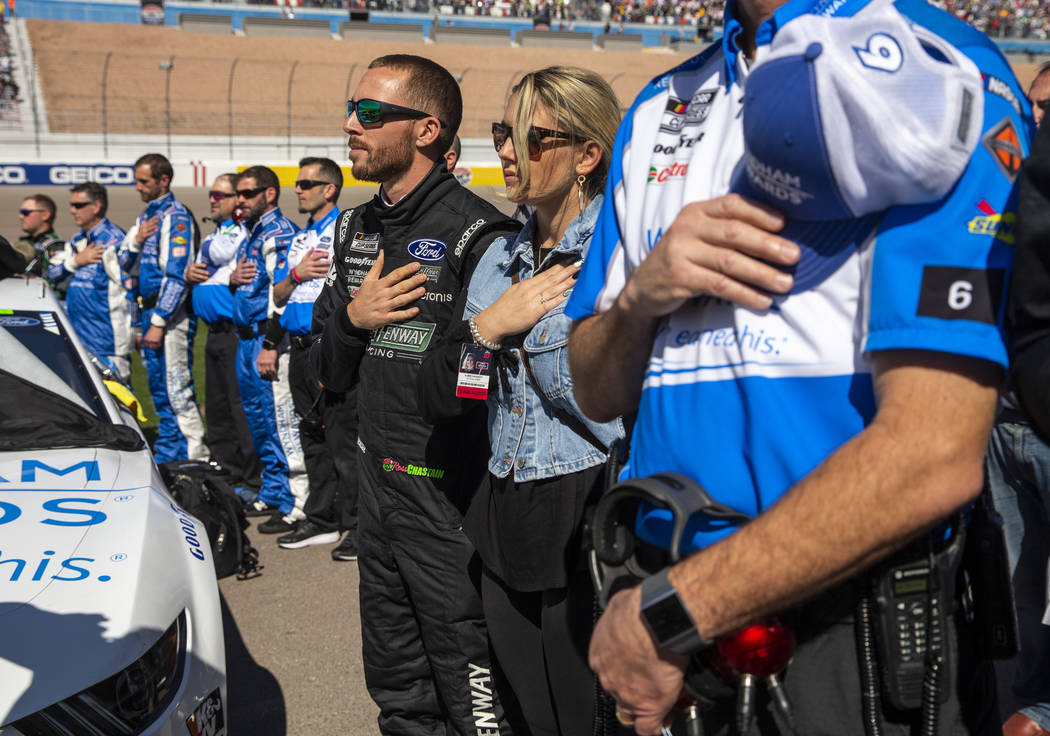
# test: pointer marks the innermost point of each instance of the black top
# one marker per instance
(529, 534)
(445, 228)
(1028, 312)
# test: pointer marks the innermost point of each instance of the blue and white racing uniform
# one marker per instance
(212, 299)
(298, 312)
(749, 402)
(96, 300)
(268, 404)
(163, 259)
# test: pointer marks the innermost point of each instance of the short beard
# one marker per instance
(389, 163)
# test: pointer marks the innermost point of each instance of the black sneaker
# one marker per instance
(278, 525)
(306, 534)
(347, 549)
(259, 508)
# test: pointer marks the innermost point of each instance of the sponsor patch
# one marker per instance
(427, 249)
(676, 106)
(659, 175)
(998, 225)
(208, 719)
(179, 240)
(679, 114)
(1005, 146)
(413, 337)
(365, 242)
(466, 236)
(431, 272)
(344, 225)
(180, 227)
(178, 251)
(12, 321)
(951, 293)
(999, 88)
(393, 466)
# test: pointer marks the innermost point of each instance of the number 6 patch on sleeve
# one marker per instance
(948, 292)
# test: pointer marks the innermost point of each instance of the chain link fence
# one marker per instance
(116, 94)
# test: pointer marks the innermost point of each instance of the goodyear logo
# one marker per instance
(411, 336)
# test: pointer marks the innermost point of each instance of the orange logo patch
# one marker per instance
(1004, 144)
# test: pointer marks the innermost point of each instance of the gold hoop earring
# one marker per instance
(580, 181)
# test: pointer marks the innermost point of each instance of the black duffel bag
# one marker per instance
(201, 489)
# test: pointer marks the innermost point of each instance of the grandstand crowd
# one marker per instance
(997, 18)
(9, 91)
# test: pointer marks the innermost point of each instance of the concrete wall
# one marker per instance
(620, 42)
(287, 27)
(555, 39)
(372, 31)
(201, 23)
(470, 36)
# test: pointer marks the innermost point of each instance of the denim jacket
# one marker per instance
(524, 434)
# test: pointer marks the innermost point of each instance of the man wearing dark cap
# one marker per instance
(797, 283)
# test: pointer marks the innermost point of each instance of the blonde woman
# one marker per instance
(546, 462)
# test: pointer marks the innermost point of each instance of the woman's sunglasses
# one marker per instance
(533, 139)
(373, 111)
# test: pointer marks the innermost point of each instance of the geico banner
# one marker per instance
(65, 174)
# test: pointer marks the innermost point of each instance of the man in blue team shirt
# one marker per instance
(328, 420)
(834, 380)
(229, 438)
(164, 239)
(96, 300)
(267, 398)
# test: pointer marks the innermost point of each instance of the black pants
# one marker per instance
(229, 438)
(426, 653)
(824, 688)
(540, 640)
(328, 434)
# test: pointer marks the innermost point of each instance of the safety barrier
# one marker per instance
(202, 23)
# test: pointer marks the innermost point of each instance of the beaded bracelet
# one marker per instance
(478, 339)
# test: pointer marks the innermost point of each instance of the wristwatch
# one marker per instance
(667, 618)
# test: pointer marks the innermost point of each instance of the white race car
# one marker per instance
(109, 610)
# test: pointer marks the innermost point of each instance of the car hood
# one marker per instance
(95, 564)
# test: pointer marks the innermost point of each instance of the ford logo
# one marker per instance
(427, 250)
(18, 321)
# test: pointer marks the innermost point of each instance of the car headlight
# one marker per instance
(121, 705)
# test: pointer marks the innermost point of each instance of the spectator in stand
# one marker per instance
(229, 438)
(94, 264)
(1039, 93)
(40, 243)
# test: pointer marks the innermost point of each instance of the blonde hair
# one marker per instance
(581, 103)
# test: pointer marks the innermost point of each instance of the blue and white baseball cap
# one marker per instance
(845, 117)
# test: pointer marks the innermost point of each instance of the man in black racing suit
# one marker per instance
(402, 263)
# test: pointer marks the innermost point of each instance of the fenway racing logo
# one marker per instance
(411, 336)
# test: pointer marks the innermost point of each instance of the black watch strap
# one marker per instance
(667, 618)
